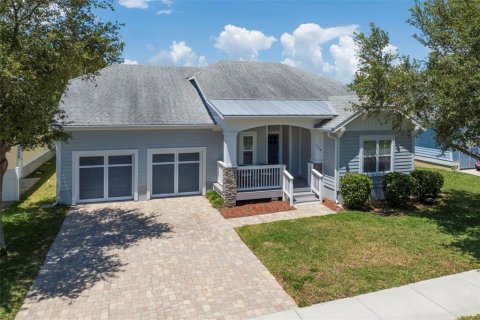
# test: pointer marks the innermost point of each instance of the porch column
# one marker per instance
(230, 148)
(316, 145)
(230, 170)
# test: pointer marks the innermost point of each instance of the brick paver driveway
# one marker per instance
(164, 259)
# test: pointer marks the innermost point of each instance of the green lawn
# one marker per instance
(325, 258)
(29, 231)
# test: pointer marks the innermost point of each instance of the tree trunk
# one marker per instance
(3, 169)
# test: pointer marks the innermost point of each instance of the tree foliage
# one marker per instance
(441, 92)
(44, 44)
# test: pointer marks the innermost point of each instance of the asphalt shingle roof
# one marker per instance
(135, 95)
(264, 81)
(342, 104)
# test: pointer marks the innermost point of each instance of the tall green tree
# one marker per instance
(44, 44)
(442, 92)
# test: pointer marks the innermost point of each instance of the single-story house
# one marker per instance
(428, 151)
(22, 163)
(246, 129)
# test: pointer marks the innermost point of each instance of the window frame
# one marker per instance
(76, 155)
(252, 134)
(377, 138)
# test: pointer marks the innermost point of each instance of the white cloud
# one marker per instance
(240, 43)
(303, 48)
(167, 2)
(142, 4)
(179, 55)
(165, 12)
(150, 47)
(128, 61)
(344, 58)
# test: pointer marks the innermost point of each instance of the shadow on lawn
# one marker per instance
(458, 214)
(85, 250)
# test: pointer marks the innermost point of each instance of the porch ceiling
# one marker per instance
(288, 108)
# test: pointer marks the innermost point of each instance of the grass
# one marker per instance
(319, 259)
(476, 317)
(29, 231)
(215, 199)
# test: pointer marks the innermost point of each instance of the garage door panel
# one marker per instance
(120, 182)
(163, 179)
(91, 183)
(175, 172)
(188, 177)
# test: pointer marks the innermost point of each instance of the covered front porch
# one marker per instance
(271, 161)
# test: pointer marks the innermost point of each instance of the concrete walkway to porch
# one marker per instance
(446, 297)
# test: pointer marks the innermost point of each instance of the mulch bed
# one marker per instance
(255, 207)
(331, 205)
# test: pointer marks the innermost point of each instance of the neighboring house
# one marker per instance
(21, 163)
(426, 150)
(248, 129)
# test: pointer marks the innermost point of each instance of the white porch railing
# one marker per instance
(220, 167)
(259, 177)
(287, 186)
(316, 183)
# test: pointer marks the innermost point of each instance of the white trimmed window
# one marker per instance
(248, 142)
(376, 154)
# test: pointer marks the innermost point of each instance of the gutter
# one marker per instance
(139, 127)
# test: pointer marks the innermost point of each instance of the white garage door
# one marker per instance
(175, 172)
(103, 176)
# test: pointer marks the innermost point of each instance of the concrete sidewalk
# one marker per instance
(442, 298)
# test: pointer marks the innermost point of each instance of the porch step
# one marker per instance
(300, 190)
(304, 197)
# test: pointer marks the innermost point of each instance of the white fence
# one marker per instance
(11, 185)
(220, 167)
(259, 177)
(316, 183)
(287, 186)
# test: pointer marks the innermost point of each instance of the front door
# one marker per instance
(273, 148)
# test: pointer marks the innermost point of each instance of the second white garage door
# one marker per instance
(175, 172)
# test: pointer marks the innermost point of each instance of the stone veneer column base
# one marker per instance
(230, 187)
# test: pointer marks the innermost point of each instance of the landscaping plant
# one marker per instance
(397, 188)
(355, 189)
(427, 184)
(215, 199)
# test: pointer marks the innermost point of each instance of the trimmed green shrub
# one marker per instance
(215, 199)
(397, 188)
(427, 184)
(355, 189)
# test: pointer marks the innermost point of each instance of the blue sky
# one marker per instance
(313, 35)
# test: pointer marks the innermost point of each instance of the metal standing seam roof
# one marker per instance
(248, 107)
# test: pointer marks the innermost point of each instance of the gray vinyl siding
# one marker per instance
(305, 152)
(295, 152)
(350, 153)
(261, 133)
(285, 145)
(140, 140)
